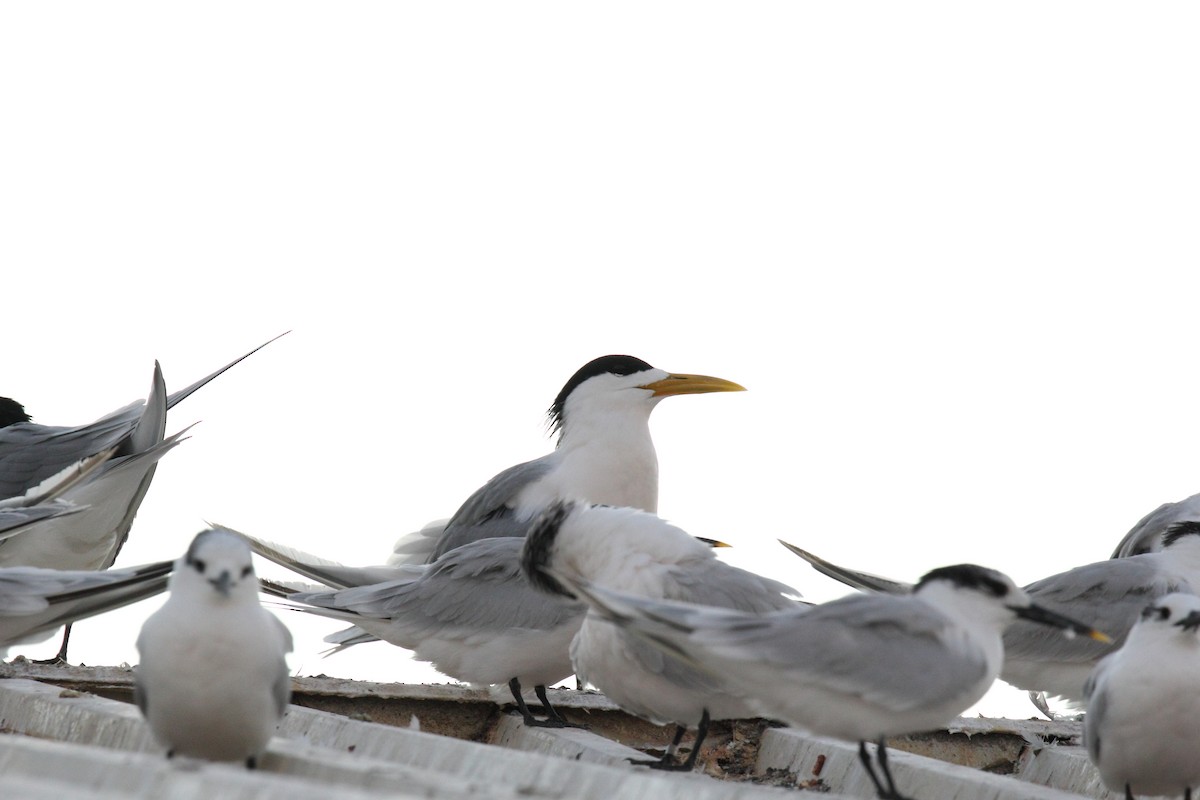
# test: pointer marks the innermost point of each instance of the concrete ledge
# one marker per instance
(65, 771)
(836, 765)
(1065, 767)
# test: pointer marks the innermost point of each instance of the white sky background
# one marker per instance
(951, 250)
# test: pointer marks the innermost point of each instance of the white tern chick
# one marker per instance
(213, 681)
(1143, 713)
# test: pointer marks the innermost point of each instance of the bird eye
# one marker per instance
(1163, 613)
(198, 565)
(246, 570)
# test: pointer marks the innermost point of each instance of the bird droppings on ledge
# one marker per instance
(333, 734)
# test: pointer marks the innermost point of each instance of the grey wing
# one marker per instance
(715, 583)
(1107, 595)
(34, 601)
(886, 650)
(479, 586)
(488, 513)
(30, 453)
(1145, 536)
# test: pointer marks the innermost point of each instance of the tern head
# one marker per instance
(217, 563)
(984, 594)
(1176, 610)
(614, 383)
(12, 412)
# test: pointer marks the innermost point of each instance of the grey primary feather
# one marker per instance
(35, 601)
(322, 570)
(488, 513)
(478, 586)
(864, 581)
(17, 520)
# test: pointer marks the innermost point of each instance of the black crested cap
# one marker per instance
(539, 542)
(615, 365)
(970, 576)
(12, 412)
(1177, 530)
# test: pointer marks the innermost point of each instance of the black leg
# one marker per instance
(61, 658)
(1187, 793)
(514, 686)
(865, 758)
(251, 762)
(1128, 792)
(667, 762)
(552, 712)
(890, 792)
(701, 732)
(881, 754)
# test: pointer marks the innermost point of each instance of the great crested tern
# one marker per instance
(638, 552)
(31, 453)
(860, 668)
(1108, 595)
(1143, 704)
(604, 454)
(213, 681)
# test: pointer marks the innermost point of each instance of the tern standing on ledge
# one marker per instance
(213, 682)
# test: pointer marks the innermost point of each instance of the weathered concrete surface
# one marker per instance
(836, 765)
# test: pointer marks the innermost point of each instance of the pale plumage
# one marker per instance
(604, 455)
(859, 668)
(1106, 594)
(213, 681)
(1143, 712)
(639, 553)
(470, 613)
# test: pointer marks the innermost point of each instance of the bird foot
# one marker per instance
(665, 764)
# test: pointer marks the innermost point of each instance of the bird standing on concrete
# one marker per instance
(213, 680)
(860, 668)
(1143, 712)
(639, 553)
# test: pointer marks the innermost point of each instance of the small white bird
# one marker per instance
(1143, 714)
(213, 680)
(470, 613)
(1108, 595)
(860, 668)
(34, 602)
(604, 455)
(639, 553)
